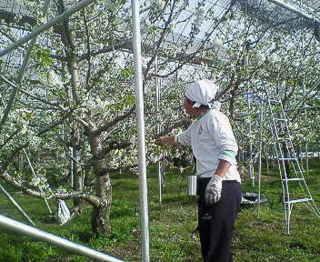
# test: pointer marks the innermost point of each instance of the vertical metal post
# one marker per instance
(158, 95)
(307, 157)
(305, 113)
(260, 156)
(141, 131)
(71, 167)
(160, 182)
(251, 168)
(306, 151)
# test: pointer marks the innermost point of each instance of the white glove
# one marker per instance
(213, 190)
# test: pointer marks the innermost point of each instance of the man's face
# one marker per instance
(187, 105)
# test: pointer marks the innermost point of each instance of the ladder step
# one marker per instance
(275, 100)
(283, 139)
(281, 119)
(293, 201)
(293, 179)
(287, 158)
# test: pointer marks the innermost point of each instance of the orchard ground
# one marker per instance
(256, 238)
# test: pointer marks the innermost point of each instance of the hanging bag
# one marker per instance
(63, 212)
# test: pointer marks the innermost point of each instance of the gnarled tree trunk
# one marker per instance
(100, 219)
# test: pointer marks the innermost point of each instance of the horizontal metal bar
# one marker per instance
(293, 179)
(294, 201)
(286, 140)
(275, 101)
(18, 227)
(281, 119)
(287, 158)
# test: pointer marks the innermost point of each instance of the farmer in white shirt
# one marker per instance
(215, 148)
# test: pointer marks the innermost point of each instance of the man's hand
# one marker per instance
(166, 140)
(213, 190)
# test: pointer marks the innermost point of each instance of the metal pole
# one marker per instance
(16, 87)
(307, 157)
(251, 168)
(53, 239)
(71, 167)
(46, 26)
(16, 205)
(35, 175)
(305, 113)
(158, 127)
(260, 158)
(160, 182)
(141, 135)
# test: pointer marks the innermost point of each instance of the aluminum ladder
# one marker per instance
(294, 187)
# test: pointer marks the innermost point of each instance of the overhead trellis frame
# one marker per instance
(288, 15)
(46, 26)
(21, 73)
(14, 12)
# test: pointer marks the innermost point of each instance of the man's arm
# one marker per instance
(222, 168)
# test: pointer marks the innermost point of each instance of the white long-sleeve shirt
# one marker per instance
(212, 139)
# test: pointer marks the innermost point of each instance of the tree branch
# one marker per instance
(106, 126)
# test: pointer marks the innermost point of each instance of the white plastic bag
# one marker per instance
(63, 212)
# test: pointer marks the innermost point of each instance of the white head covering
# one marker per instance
(202, 92)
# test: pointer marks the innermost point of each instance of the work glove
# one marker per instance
(213, 190)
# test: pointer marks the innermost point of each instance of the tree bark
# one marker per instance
(100, 219)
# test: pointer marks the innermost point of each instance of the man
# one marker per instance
(215, 148)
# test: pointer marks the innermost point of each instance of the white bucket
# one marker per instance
(192, 185)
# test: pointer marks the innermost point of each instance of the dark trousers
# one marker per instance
(216, 222)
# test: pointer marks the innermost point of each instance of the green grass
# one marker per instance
(258, 237)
